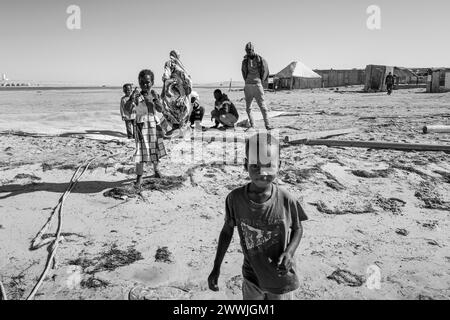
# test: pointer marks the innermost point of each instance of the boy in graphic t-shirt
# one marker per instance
(268, 220)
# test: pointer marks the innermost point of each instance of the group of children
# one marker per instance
(268, 218)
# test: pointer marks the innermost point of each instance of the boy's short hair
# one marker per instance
(145, 72)
(217, 91)
(257, 139)
(127, 85)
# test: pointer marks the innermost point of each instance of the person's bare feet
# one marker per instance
(138, 182)
(158, 174)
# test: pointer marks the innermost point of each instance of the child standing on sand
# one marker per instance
(149, 135)
(126, 109)
(268, 220)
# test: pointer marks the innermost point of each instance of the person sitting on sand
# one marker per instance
(197, 110)
(268, 219)
(126, 109)
(149, 136)
(224, 111)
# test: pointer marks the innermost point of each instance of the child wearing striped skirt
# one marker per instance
(148, 133)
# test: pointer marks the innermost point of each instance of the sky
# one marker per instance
(119, 38)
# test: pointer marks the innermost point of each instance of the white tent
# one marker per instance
(297, 69)
(297, 76)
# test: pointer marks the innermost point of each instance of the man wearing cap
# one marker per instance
(255, 71)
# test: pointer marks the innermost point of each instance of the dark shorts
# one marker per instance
(251, 291)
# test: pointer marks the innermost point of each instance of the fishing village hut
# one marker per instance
(296, 75)
(341, 78)
(375, 77)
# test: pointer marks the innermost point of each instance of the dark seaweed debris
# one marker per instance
(402, 232)
(122, 193)
(346, 277)
(94, 283)
(430, 197)
(163, 255)
(150, 184)
(393, 205)
(164, 183)
(26, 176)
(109, 260)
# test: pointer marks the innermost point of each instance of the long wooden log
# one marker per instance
(436, 128)
(373, 145)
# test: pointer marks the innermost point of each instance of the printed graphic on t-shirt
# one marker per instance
(259, 239)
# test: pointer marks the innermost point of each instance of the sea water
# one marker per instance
(71, 111)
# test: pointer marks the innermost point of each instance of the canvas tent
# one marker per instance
(296, 76)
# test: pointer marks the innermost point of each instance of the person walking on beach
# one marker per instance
(389, 83)
(148, 133)
(268, 220)
(255, 71)
(126, 109)
(224, 111)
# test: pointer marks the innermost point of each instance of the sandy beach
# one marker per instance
(368, 209)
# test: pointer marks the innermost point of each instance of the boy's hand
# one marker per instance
(213, 279)
(285, 262)
(154, 94)
(134, 95)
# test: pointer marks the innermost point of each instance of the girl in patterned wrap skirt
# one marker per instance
(148, 133)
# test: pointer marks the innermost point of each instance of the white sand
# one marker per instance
(187, 220)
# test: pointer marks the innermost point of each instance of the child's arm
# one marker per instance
(157, 101)
(286, 259)
(121, 108)
(224, 242)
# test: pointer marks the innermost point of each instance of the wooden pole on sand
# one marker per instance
(437, 128)
(373, 145)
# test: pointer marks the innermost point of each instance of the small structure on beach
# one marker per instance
(433, 79)
(295, 76)
(438, 79)
(447, 80)
(375, 77)
(341, 78)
